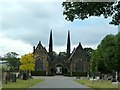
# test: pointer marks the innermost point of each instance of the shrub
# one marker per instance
(82, 74)
(67, 74)
(50, 74)
(25, 76)
(38, 73)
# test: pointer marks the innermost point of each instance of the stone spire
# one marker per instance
(68, 45)
(50, 42)
(80, 46)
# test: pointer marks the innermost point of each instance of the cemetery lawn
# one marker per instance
(22, 83)
(98, 84)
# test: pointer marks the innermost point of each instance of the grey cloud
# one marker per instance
(91, 35)
(32, 22)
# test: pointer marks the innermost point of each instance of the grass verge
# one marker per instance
(98, 85)
(23, 84)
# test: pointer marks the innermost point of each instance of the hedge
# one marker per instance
(38, 73)
(82, 74)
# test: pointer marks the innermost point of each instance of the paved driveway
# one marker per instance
(58, 82)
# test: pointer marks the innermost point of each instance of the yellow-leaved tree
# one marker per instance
(27, 62)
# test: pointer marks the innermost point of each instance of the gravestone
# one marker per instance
(119, 77)
(8, 76)
(105, 77)
(93, 75)
(114, 76)
(13, 78)
(4, 77)
(100, 75)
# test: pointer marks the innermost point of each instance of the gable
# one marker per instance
(78, 53)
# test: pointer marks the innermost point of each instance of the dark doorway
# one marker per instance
(59, 70)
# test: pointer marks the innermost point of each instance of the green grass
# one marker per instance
(98, 84)
(22, 83)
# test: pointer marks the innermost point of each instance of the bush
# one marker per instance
(67, 74)
(13, 77)
(82, 74)
(25, 76)
(38, 73)
(50, 74)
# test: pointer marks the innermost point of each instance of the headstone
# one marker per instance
(114, 76)
(13, 77)
(105, 77)
(94, 76)
(4, 77)
(20, 75)
(8, 76)
(119, 77)
(100, 75)
(88, 75)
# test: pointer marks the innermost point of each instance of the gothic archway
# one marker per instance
(79, 65)
(59, 69)
(66, 70)
(39, 64)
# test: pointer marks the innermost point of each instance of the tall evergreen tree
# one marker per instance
(68, 45)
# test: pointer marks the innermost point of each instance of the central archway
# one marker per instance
(59, 69)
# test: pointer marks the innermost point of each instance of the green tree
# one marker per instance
(83, 10)
(93, 62)
(118, 51)
(89, 52)
(11, 58)
(63, 55)
(54, 55)
(105, 56)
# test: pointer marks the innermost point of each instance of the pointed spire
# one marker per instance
(50, 42)
(68, 45)
(80, 46)
(39, 42)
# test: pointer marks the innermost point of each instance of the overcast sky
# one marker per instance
(24, 24)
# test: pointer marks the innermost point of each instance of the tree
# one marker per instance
(89, 52)
(11, 58)
(93, 62)
(83, 10)
(118, 51)
(106, 56)
(63, 55)
(27, 62)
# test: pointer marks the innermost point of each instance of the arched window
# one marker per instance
(39, 64)
(52, 70)
(66, 70)
(79, 65)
